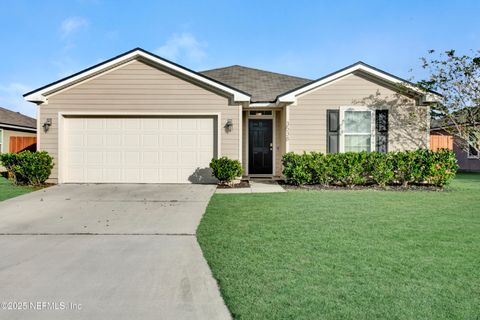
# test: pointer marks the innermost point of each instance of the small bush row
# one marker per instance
(28, 168)
(350, 169)
(225, 169)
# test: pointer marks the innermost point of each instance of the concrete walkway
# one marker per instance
(117, 251)
(256, 186)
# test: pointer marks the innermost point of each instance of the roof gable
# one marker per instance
(359, 67)
(41, 94)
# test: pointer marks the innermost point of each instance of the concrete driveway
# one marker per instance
(106, 252)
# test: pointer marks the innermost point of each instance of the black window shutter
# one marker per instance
(381, 128)
(333, 126)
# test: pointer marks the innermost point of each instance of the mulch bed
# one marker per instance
(397, 188)
(241, 184)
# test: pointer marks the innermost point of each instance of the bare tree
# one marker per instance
(457, 79)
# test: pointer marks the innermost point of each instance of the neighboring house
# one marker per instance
(17, 128)
(468, 157)
(139, 118)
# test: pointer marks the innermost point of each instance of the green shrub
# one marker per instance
(381, 168)
(321, 168)
(28, 168)
(225, 170)
(351, 169)
(440, 167)
(406, 166)
(297, 168)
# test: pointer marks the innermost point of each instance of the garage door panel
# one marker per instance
(131, 140)
(169, 175)
(170, 124)
(94, 139)
(186, 173)
(150, 157)
(170, 157)
(75, 158)
(150, 124)
(113, 158)
(94, 124)
(76, 124)
(132, 124)
(204, 157)
(113, 140)
(204, 140)
(150, 140)
(188, 141)
(112, 174)
(170, 140)
(132, 157)
(94, 157)
(75, 173)
(137, 150)
(149, 175)
(94, 174)
(188, 124)
(75, 140)
(113, 124)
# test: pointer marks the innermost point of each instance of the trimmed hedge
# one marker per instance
(28, 168)
(350, 169)
(225, 169)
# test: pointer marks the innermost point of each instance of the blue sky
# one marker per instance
(43, 41)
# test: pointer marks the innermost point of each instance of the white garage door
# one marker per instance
(137, 150)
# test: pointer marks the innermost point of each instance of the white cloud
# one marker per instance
(11, 98)
(71, 25)
(183, 47)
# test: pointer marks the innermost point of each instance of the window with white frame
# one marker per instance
(357, 129)
(1, 140)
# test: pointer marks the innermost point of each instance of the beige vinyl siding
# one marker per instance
(138, 87)
(408, 123)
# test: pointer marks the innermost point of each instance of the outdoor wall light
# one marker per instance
(229, 125)
(47, 124)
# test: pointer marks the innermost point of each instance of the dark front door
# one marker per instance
(260, 145)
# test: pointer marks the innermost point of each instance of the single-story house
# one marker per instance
(139, 118)
(18, 128)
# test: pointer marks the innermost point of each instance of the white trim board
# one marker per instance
(38, 126)
(240, 134)
(41, 95)
(9, 126)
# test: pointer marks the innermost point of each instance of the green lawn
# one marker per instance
(347, 254)
(7, 190)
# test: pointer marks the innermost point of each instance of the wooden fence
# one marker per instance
(438, 141)
(18, 144)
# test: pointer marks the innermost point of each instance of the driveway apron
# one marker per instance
(106, 251)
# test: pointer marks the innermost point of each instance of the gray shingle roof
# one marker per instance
(262, 85)
(16, 119)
